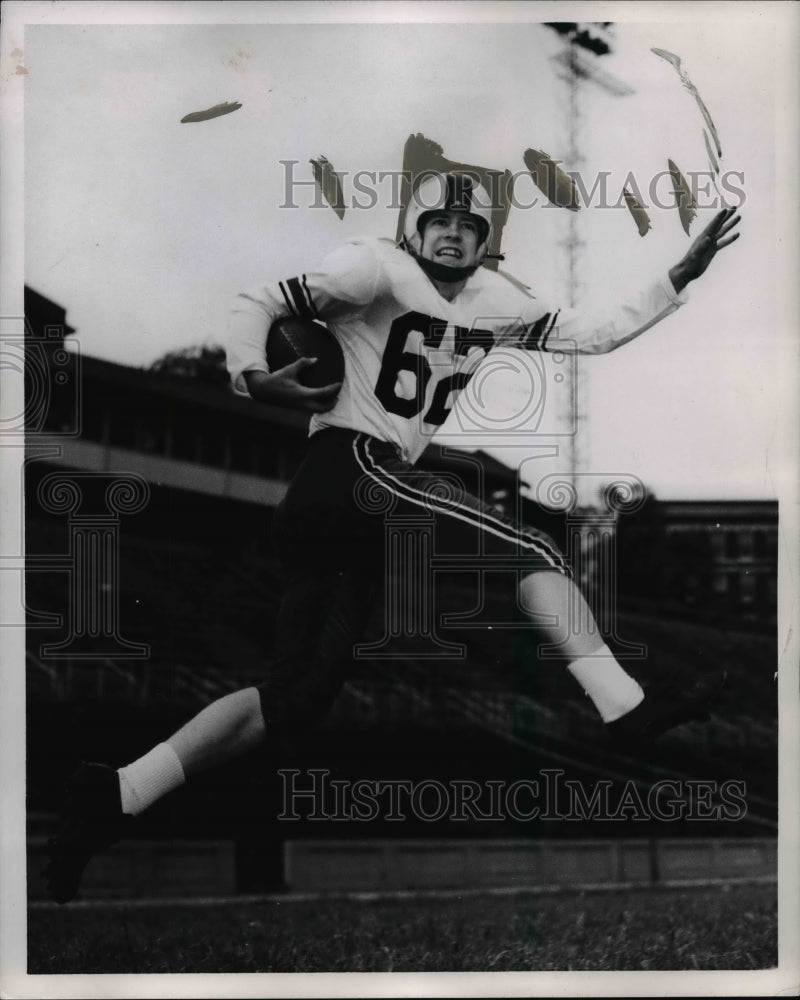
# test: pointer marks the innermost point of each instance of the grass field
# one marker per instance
(728, 927)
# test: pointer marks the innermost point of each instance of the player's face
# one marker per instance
(451, 238)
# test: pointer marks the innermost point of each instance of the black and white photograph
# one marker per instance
(399, 471)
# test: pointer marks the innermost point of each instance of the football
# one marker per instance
(292, 338)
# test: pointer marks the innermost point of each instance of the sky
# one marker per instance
(145, 228)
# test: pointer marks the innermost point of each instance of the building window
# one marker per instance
(212, 449)
(184, 442)
(91, 427)
(772, 545)
(150, 437)
(746, 543)
(762, 596)
(122, 431)
(242, 454)
(266, 464)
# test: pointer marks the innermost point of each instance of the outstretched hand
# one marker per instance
(704, 249)
(284, 388)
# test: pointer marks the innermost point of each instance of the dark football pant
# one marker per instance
(331, 532)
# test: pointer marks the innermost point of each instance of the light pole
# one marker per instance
(578, 64)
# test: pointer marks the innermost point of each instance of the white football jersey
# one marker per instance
(408, 351)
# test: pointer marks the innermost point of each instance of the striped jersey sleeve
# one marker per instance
(543, 328)
(297, 298)
(345, 282)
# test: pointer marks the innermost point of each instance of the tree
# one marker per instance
(203, 363)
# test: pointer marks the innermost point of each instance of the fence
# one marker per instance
(159, 869)
(372, 865)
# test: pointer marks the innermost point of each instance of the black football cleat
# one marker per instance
(91, 820)
(667, 703)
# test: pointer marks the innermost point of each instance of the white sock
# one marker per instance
(145, 780)
(613, 692)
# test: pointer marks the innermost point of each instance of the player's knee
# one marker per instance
(541, 588)
(269, 709)
(281, 710)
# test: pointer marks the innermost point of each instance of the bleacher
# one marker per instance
(206, 613)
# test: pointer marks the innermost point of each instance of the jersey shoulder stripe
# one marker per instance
(550, 327)
(536, 334)
(297, 298)
(287, 299)
(308, 296)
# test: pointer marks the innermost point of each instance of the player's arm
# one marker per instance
(344, 282)
(284, 388)
(570, 331)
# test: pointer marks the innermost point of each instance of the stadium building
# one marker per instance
(151, 589)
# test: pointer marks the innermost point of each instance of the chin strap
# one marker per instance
(440, 272)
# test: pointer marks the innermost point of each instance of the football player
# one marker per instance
(413, 322)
